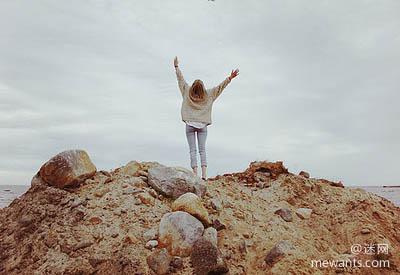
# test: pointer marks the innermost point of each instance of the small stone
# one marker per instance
(131, 191)
(211, 235)
(100, 193)
(242, 247)
(150, 234)
(304, 213)
(153, 193)
(105, 173)
(130, 169)
(145, 198)
(177, 262)
(216, 204)
(142, 173)
(285, 214)
(83, 244)
(151, 244)
(26, 220)
(159, 261)
(218, 225)
(280, 250)
(143, 178)
(304, 174)
(365, 230)
(95, 220)
(130, 238)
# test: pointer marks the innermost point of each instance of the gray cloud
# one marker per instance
(318, 87)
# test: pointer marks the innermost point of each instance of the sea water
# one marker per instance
(9, 192)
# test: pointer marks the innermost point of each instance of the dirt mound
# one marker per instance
(269, 221)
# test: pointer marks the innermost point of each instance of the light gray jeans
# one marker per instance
(201, 139)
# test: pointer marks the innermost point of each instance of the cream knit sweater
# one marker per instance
(194, 111)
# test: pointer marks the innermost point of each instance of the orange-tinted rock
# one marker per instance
(68, 168)
(95, 220)
(256, 168)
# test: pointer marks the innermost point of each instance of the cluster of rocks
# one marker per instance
(187, 230)
(147, 218)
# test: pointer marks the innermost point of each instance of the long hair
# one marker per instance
(197, 91)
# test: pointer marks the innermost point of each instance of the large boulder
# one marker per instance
(174, 181)
(68, 168)
(178, 231)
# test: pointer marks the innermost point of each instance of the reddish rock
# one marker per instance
(69, 168)
(206, 258)
(256, 169)
(280, 250)
(95, 220)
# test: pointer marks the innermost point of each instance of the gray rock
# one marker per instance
(131, 191)
(216, 204)
(365, 230)
(159, 261)
(178, 231)
(174, 181)
(304, 213)
(280, 250)
(211, 235)
(285, 214)
(242, 247)
(151, 244)
(150, 234)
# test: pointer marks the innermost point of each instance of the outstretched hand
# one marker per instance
(234, 74)
(176, 62)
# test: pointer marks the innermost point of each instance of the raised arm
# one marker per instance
(181, 81)
(216, 91)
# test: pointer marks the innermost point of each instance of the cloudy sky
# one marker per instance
(318, 85)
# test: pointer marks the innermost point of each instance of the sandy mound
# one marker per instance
(269, 221)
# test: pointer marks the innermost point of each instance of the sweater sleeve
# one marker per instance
(181, 81)
(216, 91)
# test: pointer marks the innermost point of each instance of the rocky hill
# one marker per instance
(146, 218)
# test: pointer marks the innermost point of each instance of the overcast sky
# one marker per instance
(318, 85)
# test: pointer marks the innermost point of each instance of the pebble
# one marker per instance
(365, 230)
(146, 199)
(304, 213)
(150, 234)
(218, 225)
(285, 214)
(151, 244)
(216, 204)
(280, 250)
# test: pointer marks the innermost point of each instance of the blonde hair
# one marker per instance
(197, 91)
